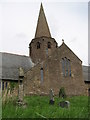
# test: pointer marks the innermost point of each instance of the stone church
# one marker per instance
(48, 65)
(55, 66)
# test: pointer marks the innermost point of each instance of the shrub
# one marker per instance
(62, 92)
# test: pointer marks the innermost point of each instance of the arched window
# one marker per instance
(41, 74)
(66, 67)
(49, 45)
(38, 45)
(63, 67)
(69, 67)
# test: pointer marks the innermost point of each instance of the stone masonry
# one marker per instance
(48, 72)
(53, 77)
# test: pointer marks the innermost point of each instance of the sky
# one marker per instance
(66, 20)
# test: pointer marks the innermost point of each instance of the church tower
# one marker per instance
(43, 44)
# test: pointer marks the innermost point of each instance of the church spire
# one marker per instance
(42, 26)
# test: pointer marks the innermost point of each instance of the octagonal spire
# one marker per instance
(42, 25)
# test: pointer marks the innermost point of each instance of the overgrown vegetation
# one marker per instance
(39, 107)
(0, 106)
(62, 93)
(13, 85)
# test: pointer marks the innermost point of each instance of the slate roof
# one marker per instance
(10, 63)
(9, 66)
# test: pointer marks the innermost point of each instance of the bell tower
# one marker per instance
(43, 44)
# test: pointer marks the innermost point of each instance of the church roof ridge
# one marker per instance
(13, 54)
(10, 64)
(63, 43)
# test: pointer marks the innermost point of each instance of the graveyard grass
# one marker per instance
(38, 107)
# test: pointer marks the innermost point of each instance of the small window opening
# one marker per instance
(49, 45)
(41, 74)
(38, 45)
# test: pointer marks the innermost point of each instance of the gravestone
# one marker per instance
(51, 97)
(20, 88)
(20, 93)
(64, 104)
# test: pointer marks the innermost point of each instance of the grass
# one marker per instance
(38, 107)
(0, 107)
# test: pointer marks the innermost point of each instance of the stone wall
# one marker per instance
(38, 55)
(53, 75)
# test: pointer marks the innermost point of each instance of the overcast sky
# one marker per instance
(66, 20)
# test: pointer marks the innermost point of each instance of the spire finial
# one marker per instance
(41, 4)
(42, 26)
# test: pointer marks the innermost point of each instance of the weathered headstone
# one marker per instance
(20, 87)
(51, 97)
(20, 93)
(64, 104)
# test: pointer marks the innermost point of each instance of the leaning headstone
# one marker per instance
(51, 97)
(64, 104)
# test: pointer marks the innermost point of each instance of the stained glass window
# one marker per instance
(63, 67)
(66, 67)
(69, 67)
